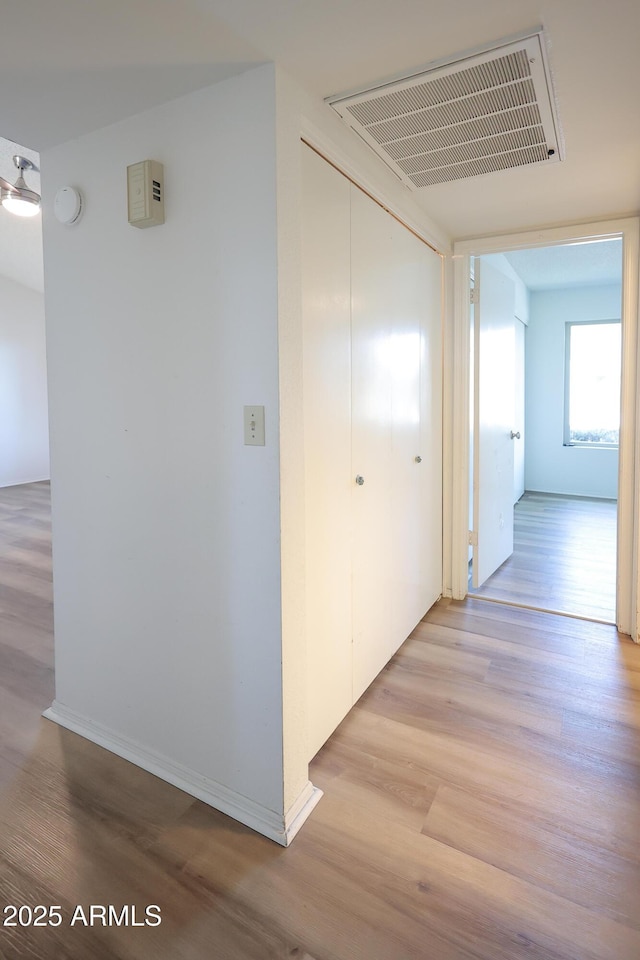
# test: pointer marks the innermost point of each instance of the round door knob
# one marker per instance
(515, 436)
(359, 480)
(418, 459)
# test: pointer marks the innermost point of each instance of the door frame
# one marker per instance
(456, 450)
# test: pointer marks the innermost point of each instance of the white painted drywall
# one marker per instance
(24, 430)
(500, 262)
(550, 466)
(166, 527)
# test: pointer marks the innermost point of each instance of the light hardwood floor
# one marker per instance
(564, 557)
(481, 803)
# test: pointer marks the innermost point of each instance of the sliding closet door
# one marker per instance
(408, 458)
(396, 434)
(373, 440)
(327, 413)
(431, 433)
(371, 408)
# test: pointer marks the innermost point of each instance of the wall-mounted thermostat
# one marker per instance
(145, 193)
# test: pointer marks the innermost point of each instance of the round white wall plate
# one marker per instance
(67, 205)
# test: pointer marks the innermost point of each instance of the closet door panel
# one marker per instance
(327, 415)
(431, 432)
(371, 331)
(372, 409)
(408, 473)
(416, 373)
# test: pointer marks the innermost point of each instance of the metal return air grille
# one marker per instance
(481, 114)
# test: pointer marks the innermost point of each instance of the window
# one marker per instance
(592, 383)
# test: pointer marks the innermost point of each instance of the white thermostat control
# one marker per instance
(145, 193)
(67, 205)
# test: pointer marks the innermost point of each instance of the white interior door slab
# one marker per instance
(326, 315)
(416, 425)
(431, 432)
(407, 480)
(371, 411)
(519, 425)
(493, 420)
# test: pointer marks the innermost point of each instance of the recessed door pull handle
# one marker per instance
(515, 436)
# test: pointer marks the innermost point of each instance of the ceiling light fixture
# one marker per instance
(17, 197)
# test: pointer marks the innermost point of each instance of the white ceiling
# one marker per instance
(569, 265)
(76, 65)
(335, 46)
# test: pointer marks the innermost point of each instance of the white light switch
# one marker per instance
(254, 426)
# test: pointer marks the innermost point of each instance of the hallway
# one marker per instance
(480, 803)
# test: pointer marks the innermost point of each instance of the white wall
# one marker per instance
(166, 527)
(550, 466)
(522, 306)
(24, 431)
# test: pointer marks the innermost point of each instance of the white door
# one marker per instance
(431, 431)
(493, 420)
(326, 315)
(415, 357)
(408, 283)
(518, 446)
(396, 439)
(371, 410)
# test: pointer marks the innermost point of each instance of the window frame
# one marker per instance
(567, 441)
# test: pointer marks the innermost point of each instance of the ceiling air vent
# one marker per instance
(482, 113)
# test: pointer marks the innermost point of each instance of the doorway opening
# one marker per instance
(24, 426)
(467, 523)
(545, 331)
(26, 592)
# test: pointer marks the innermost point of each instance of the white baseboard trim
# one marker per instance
(23, 483)
(299, 811)
(268, 822)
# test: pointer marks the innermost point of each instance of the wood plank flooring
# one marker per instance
(564, 557)
(481, 803)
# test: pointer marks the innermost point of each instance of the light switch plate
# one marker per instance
(254, 426)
